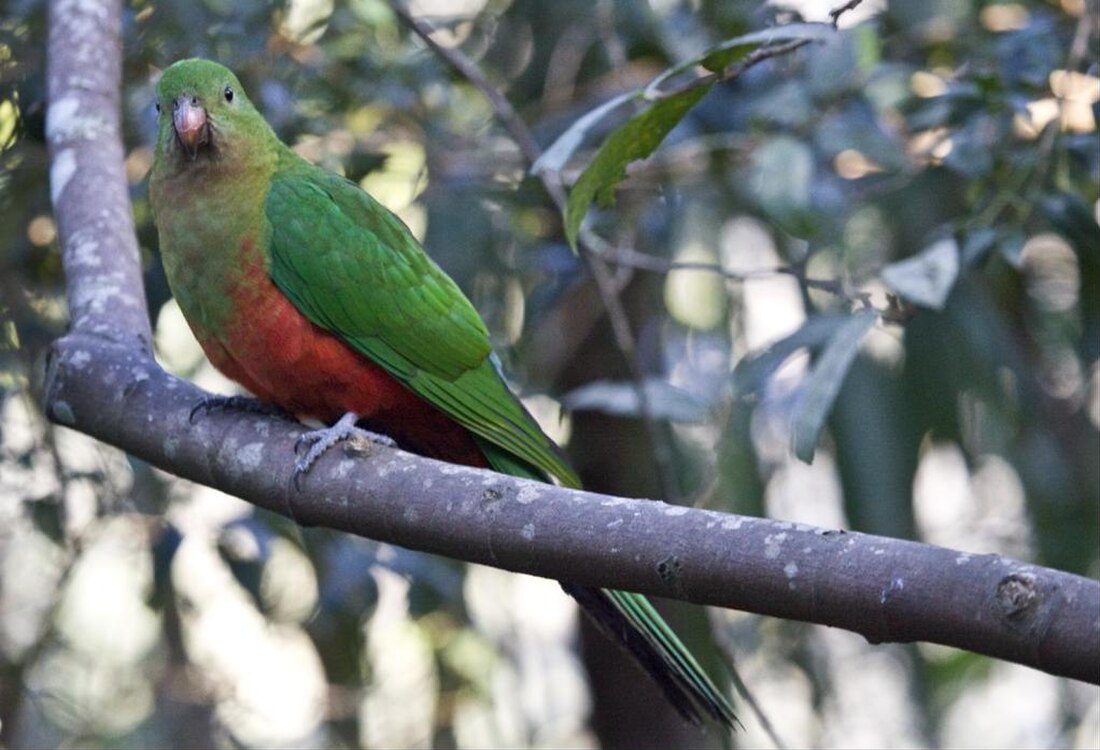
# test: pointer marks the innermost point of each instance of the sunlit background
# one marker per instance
(137, 609)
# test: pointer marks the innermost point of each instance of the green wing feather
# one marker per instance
(354, 268)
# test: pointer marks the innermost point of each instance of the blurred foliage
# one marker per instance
(889, 260)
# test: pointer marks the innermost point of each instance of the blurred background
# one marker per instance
(140, 610)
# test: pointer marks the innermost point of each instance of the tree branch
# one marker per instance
(102, 380)
(885, 589)
(87, 182)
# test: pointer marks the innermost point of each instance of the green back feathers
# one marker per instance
(353, 268)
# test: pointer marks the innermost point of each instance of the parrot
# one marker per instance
(320, 302)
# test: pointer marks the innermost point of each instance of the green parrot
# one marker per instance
(313, 296)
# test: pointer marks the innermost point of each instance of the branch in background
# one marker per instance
(751, 60)
(626, 256)
(465, 67)
(840, 10)
(886, 589)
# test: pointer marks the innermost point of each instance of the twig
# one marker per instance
(626, 256)
(840, 10)
(654, 93)
(462, 65)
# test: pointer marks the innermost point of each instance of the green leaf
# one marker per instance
(636, 139)
(753, 371)
(639, 136)
(554, 158)
(720, 58)
(717, 58)
(927, 278)
(824, 381)
(620, 398)
(977, 245)
(729, 51)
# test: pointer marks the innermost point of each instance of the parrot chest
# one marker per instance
(209, 232)
(212, 247)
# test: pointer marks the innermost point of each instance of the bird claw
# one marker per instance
(236, 403)
(319, 442)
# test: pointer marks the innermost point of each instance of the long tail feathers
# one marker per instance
(631, 620)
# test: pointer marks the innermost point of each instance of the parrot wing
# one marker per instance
(353, 268)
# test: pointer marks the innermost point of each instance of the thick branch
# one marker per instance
(87, 182)
(102, 381)
(885, 589)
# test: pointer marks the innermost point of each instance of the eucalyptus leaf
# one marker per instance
(639, 136)
(620, 398)
(824, 381)
(977, 245)
(558, 154)
(635, 139)
(737, 47)
(753, 371)
(926, 278)
(720, 59)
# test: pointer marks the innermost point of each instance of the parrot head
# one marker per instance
(200, 107)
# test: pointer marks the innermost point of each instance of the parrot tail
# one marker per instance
(631, 620)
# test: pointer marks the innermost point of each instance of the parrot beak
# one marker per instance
(189, 121)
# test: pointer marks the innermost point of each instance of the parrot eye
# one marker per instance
(157, 105)
(228, 93)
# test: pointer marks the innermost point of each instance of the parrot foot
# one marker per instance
(319, 441)
(236, 403)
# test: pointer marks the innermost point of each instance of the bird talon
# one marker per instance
(320, 441)
(376, 437)
(205, 404)
(303, 440)
(239, 403)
